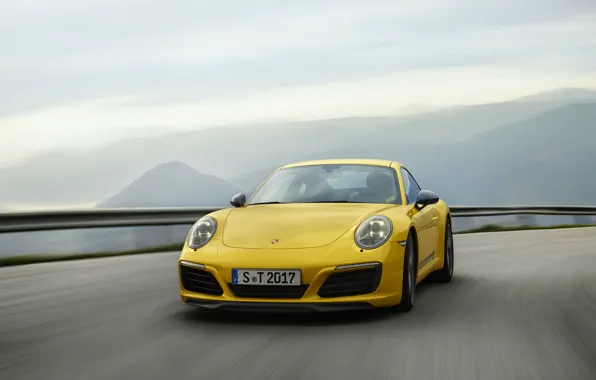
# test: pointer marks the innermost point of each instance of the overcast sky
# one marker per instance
(82, 72)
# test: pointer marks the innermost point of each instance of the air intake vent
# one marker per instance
(351, 283)
(199, 281)
(266, 291)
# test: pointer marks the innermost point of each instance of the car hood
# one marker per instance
(293, 225)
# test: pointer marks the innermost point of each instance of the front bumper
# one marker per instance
(318, 307)
(336, 277)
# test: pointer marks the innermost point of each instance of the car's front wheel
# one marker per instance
(445, 274)
(408, 293)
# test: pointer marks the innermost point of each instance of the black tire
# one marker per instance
(445, 274)
(409, 275)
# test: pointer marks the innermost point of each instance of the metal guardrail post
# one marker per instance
(582, 219)
(527, 220)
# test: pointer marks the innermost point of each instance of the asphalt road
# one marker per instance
(522, 306)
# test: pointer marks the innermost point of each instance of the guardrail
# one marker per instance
(481, 211)
(141, 217)
(99, 218)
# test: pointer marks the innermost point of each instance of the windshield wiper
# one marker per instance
(277, 202)
(338, 201)
(266, 203)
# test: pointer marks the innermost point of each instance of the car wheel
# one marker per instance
(409, 276)
(445, 274)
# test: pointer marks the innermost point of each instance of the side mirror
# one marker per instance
(425, 198)
(238, 200)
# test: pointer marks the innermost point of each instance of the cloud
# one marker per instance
(385, 94)
(191, 63)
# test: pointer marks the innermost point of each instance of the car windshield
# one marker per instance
(330, 183)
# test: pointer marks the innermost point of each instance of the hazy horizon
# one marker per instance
(77, 74)
(149, 132)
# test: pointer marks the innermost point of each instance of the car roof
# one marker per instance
(345, 161)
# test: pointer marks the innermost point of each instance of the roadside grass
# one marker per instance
(45, 258)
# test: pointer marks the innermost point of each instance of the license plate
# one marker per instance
(266, 277)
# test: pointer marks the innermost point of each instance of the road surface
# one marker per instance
(522, 306)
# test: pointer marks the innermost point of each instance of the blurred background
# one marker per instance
(136, 104)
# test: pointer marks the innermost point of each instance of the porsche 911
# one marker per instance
(320, 236)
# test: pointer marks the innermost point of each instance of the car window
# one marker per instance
(330, 183)
(277, 185)
(349, 180)
(411, 187)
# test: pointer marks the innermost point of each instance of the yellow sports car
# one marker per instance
(320, 235)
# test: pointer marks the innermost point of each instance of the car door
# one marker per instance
(425, 220)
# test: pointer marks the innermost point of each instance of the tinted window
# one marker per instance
(411, 188)
(330, 183)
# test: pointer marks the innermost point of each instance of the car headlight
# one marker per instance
(373, 232)
(202, 232)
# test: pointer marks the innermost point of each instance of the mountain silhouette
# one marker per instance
(173, 184)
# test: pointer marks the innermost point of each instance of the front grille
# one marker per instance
(199, 281)
(351, 283)
(272, 291)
